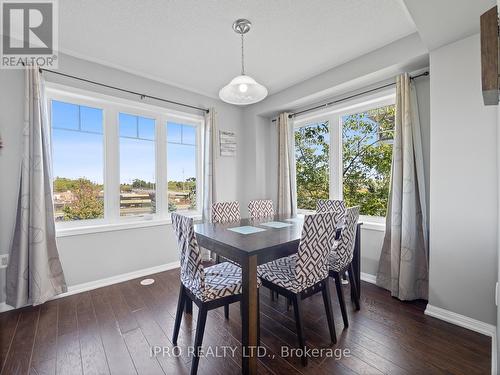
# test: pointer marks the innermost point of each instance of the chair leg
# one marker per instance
(188, 306)
(178, 314)
(327, 301)
(297, 303)
(288, 304)
(354, 286)
(340, 294)
(200, 329)
(226, 311)
(271, 292)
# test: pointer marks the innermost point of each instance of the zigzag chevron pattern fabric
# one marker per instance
(260, 208)
(343, 253)
(225, 212)
(209, 283)
(310, 265)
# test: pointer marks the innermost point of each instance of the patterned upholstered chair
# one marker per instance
(340, 259)
(260, 208)
(331, 205)
(225, 212)
(208, 288)
(306, 273)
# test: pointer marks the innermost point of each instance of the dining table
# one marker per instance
(251, 242)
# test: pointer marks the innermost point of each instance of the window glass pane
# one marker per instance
(174, 132)
(181, 169)
(77, 158)
(65, 115)
(91, 119)
(137, 170)
(146, 128)
(188, 135)
(312, 147)
(128, 125)
(367, 155)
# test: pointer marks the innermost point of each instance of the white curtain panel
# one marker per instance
(287, 184)
(403, 267)
(209, 150)
(34, 274)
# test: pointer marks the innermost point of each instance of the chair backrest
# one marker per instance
(225, 212)
(316, 243)
(192, 273)
(331, 205)
(260, 208)
(345, 247)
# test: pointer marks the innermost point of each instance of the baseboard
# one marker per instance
(469, 323)
(84, 287)
(369, 278)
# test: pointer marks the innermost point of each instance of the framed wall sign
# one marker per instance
(227, 141)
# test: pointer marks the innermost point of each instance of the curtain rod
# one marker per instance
(142, 96)
(291, 115)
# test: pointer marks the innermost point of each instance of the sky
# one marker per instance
(78, 146)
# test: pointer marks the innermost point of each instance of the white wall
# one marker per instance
(90, 257)
(463, 189)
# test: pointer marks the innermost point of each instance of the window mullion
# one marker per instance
(161, 167)
(112, 165)
(336, 181)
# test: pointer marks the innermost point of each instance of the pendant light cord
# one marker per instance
(242, 57)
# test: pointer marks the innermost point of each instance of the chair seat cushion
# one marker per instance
(281, 272)
(221, 280)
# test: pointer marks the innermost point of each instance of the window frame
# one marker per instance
(111, 107)
(333, 115)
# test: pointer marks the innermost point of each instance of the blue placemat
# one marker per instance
(246, 229)
(276, 224)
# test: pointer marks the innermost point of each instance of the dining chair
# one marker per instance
(340, 260)
(304, 274)
(331, 205)
(209, 288)
(260, 208)
(225, 212)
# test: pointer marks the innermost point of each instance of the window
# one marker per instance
(119, 162)
(137, 165)
(312, 160)
(367, 139)
(78, 154)
(181, 166)
(346, 153)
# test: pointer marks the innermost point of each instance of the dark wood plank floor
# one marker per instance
(112, 330)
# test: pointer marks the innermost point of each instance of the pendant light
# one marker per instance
(243, 89)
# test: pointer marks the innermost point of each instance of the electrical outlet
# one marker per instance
(4, 260)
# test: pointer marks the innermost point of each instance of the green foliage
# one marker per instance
(87, 204)
(141, 184)
(312, 164)
(367, 153)
(367, 158)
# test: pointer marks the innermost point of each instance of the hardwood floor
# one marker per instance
(112, 330)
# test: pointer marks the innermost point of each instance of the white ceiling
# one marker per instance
(445, 21)
(190, 43)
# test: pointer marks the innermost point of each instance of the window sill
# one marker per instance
(112, 227)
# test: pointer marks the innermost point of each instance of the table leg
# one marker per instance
(356, 261)
(249, 314)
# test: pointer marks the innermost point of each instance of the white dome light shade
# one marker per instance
(243, 90)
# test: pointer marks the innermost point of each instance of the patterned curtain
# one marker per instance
(287, 184)
(209, 147)
(34, 274)
(403, 267)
